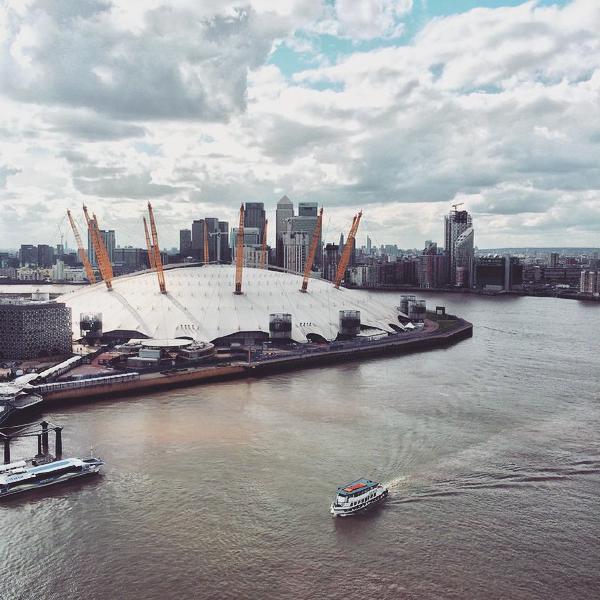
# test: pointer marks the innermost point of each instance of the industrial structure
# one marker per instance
(34, 328)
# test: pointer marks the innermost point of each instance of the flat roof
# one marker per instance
(166, 343)
(360, 485)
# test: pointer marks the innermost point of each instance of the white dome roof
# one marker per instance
(200, 303)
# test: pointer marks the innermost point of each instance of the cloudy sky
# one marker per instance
(396, 107)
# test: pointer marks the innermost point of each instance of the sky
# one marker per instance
(398, 108)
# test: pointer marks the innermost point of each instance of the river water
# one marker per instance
(490, 448)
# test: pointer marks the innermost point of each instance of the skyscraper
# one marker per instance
(109, 239)
(254, 216)
(218, 240)
(308, 209)
(198, 239)
(45, 256)
(28, 255)
(459, 244)
(298, 232)
(185, 242)
(295, 249)
(285, 210)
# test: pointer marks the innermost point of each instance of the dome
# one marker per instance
(200, 304)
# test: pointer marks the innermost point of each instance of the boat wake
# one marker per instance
(510, 477)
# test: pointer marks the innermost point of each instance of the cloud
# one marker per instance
(129, 101)
(122, 186)
(371, 18)
(184, 63)
(86, 125)
(5, 173)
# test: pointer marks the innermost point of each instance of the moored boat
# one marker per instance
(357, 496)
(20, 477)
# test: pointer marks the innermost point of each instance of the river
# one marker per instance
(490, 448)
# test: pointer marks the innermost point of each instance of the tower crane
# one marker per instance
(310, 259)
(99, 249)
(239, 254)
(151, 262)
(455, 206)
(345, 258)
(89, 271)
(155, 247)
(263, 251)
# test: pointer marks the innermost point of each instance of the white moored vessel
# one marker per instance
(19, 477)
(357, 496)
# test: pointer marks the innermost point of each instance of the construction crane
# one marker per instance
(151, 262)
(345, 258)
(263, 251)
(89, 271)
(455, 206)
(156, 248)
(99, 249)
(239, 254)
(206, 252)
(310, 259)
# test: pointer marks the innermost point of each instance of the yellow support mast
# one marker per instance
(239, 254)
(310, 259)
(100, 249)
(157, 259)
(87, 265)
(151, 262)
(345, 258)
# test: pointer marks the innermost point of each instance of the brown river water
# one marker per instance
(491, 450)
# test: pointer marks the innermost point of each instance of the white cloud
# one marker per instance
(497, 108)
(371, 18)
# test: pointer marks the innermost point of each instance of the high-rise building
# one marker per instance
(368, 245)
(129, 259)
(331, 258)
(255, 216)
(285, 210)
(198, 239)
(497, 273)
(554, 257)
(432, 269)
(109, 239)
(308, 209)
(589, 282)
(218, 240)
(223, 252)
(185, 242)
(252, 246)
(293, 236)
(295, 249)
(459, 244)
(28, 255)
(45, 257)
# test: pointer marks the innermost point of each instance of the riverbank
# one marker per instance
(476, 292)
(264, 365)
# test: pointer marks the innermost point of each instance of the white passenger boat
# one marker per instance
(357, 496)
(19, 477)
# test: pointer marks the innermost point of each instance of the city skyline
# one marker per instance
(391, 110)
